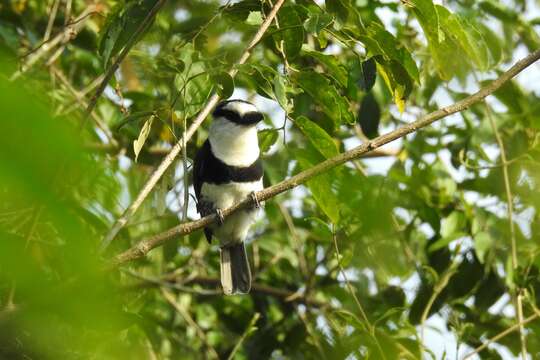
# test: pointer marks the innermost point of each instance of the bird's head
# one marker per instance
(239, 112)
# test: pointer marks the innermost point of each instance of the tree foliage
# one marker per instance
(442, 224)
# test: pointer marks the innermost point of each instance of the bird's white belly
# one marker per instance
(236, 226)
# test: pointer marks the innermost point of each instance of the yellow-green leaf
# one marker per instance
(143, 135)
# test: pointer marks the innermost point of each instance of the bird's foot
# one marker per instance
(255, 200)
(219, 216)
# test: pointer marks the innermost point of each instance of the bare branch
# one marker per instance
(501, 335)
(154, 178)
(140, 249)
(187, 317)
(250, 328)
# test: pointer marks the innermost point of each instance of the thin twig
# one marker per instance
(437, 289)
(187, 317)
(175, 282)
(311, 333)
(67, 14)
(250, 328)
(52, 17)
(510, 210)
(369, 327)
(501, 335)
(144, 246)
(154, 178)
(294, 234)
(80, 99)
(349, 286)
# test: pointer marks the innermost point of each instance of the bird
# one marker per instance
(227, 169)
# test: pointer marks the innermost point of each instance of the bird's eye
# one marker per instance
(252, 117)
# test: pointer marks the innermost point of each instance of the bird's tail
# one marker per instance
(235, 272)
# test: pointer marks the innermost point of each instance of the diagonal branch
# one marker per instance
(168, 160)
(501, 335)
(140, 249)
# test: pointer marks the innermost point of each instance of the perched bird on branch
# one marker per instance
(227, 169)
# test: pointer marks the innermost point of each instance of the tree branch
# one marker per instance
(154, 178)
(140, 249)
(282, 294)
(501, 335)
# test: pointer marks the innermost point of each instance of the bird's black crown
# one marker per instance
(228, 110)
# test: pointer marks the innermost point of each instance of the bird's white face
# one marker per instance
(234, 143)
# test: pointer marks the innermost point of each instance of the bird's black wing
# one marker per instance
(199, 171)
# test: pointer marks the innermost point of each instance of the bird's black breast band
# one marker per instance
(215, 171)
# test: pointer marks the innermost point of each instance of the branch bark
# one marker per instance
(154, 178)
(140, 249)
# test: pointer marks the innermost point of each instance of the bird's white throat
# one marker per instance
(235, 145)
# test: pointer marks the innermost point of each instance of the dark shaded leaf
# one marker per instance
(369, 116)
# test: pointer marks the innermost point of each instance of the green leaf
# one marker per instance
(194, 93)
(380, 42)
(280, 92)
(426, 13)
(338, 8)
(499, 11)
(317, 136)
(463, 34)
(335, 69)
(448, 35)
(482, 243)
(319, 88)
(368, 70)
(493, 43)
(121, 26)
(395, 63)
(291, 32)
(143, 135)
(317, 21)
(320, 187)
(369, 116)
(260, 77)
(452, 224)
(267, 138)
(241, 10)
(170, 64)
(254, 18)
(224, 84)
(444, 241)
(396, 79)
